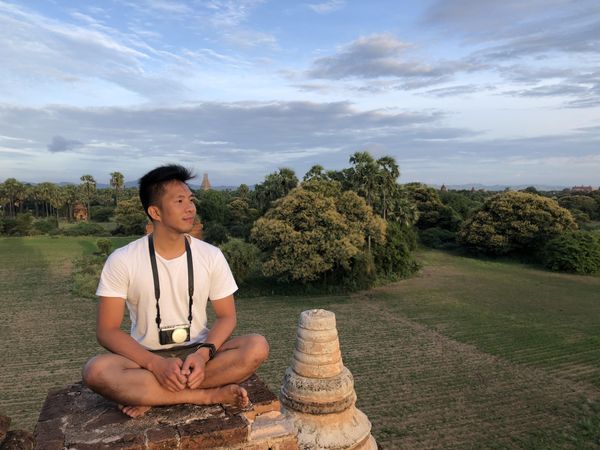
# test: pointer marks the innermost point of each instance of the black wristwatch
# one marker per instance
(212, 350)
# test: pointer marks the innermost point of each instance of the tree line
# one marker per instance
(343, 228)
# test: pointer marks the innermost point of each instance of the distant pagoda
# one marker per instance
(205, 183)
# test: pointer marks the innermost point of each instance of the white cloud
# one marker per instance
(327, 7)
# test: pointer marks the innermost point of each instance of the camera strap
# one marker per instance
(190, 270)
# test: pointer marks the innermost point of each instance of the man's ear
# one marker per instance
(154, 212)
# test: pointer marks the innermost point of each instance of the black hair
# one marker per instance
(152, 185)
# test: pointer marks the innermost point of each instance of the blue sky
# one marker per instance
(463, 91)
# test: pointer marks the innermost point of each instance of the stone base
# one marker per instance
(77, 418)
(348, 430)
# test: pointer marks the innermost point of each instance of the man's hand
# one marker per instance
(193, 369)
(168, 373)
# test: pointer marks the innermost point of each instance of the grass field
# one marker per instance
(468, 354)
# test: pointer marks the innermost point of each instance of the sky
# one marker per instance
(458, 92)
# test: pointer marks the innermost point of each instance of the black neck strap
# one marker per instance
(190, 268)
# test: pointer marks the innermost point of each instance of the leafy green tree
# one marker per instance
(393, 257)
(130, 217)
(580, 203)
(514, 222)
(276, 185)
(576, 252)
(88, 189)
(212, 206)
(308, 235)
(463, 202)
(432, 212)
(243, 258)
(117, 182)
(241, 217)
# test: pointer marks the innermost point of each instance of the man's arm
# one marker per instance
(226, 320)
(110, 336)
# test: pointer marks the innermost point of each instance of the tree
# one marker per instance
(72, 195)
(117, 182)
(212, 206)
(88, 188)
(514, 222)
(580, 203)
(130, 217)
(432, 212)
(276, 185)
(316, 172)
(308, 234)
(14, 192)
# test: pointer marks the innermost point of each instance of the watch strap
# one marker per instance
(212, 350)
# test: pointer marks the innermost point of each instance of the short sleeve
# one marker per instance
(222, 283)
(114, 280)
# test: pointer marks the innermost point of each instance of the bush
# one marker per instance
(86, 275)
(244, 259)
(104, 245)
(48, 226)
(21, 226)
(102, 213)
(86, 229)
(577, 252)
(438, 238)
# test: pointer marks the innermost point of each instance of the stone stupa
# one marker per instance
(318, 391)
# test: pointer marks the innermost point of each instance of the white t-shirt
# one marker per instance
(127, 274)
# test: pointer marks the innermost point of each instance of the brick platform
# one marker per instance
(77, 418)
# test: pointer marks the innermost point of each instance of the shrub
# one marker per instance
(86, 229)
(47, 226)
(86, 274)
(102, 213)
(243, 258)
(438, 238)
(577, 252)
(104, 245)
(20, 226)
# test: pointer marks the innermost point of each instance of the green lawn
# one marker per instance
(468, 354)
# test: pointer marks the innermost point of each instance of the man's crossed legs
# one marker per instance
(135, 389)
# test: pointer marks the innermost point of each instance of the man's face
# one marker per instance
(177, 209)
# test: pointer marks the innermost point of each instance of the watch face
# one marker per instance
(179, 335)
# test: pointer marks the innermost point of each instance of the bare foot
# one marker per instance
(134, 411)
(232, 394)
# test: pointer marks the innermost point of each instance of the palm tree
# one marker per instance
(117, 181)
(13, 191)
(88, 187)
(387, 175)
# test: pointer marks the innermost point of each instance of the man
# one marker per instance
(165, 279)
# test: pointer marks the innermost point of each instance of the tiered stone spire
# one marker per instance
(318, 391)
(205, 183)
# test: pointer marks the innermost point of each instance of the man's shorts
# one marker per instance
(177, 352)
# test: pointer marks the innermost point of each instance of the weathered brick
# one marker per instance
(163, 438)
(213, 433)
(126, 442)
(49, 435)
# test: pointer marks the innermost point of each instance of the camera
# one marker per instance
(174, 335)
